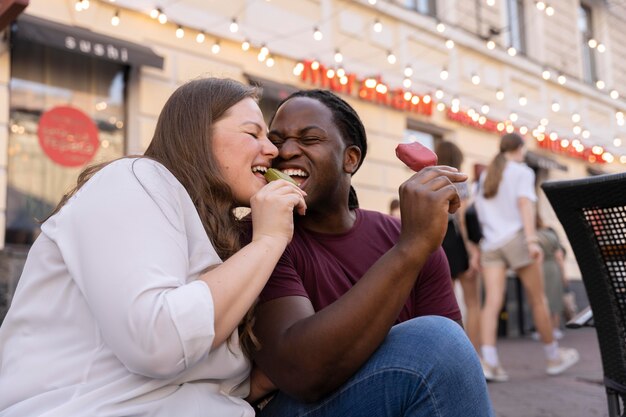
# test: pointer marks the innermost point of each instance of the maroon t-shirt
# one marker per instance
(323, 267)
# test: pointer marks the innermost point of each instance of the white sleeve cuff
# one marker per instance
(192, 311)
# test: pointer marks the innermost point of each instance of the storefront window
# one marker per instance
(66, 112)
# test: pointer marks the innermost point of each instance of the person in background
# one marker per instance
(553, 273)
(134, 298)
(359, 317)
(463, 254)
(506, 210)
(394, 208)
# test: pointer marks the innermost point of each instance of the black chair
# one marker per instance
(593, 213)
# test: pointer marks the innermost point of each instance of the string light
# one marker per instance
(576, 118)
(491, 3)
(439, 94)
(154, 13)
(592, 43)
(475, 79)
(441, 27)
(499, 94)
(485, 108)
(234, 26)
(546, 74)
(216, 48)
(444, 74)
(491, 44)
(562, 79)
(338, 56)
(245, 45)
(550, 11)
(81, 5)
(511, 51)
(541, 6)
(601, 48)
(265, 51)
(513, 117)
(378, 26)
(600, 85)
(372, 2)
(162, 18)
(270, 61)
(180, 32)
(317, 34)
(200, 37)
(408, 71)
(115, 20)
(614, 94)
(407, 83)
(522, 100)
(617, 142)
(298, 69)
(449, 43)
(555, 106)
(391, 58)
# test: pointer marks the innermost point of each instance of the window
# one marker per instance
(585, 28)
(425, 7)
(517, 33)
(66, 111)
(427, 139)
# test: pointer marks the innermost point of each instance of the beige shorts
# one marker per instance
(514, 254)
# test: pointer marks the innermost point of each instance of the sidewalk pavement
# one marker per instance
(532, 393)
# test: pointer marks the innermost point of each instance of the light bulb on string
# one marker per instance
(341, 72)
(338, 56)
(546, 75)
(162, 18)
(270, 61)
(234, 26)
(491, 44)
(592, 43)
(562, 79)
(485, 108)
(391, 58)
(522, 100)
(614, 94)
(540, 5)
(378, 26)
(475, 79)
(601, 48)
(600, 85)
(408, 71)
(200, 37)
(317, 34)
(443, 74)
(115, 20)
(555, 106)
(245, 45)
(154, 13)
(265, 51)
(180, 32)
(617, 142)
(550, 11)
(441, 27)
(439, 94)
(216, 48)
(576, 118)
(298, 69)
(372, 2)
(449, 43)
(406, 83)
(511, 51)
(491, 3)
(499, 94)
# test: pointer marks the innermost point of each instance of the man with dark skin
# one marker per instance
(312, 352)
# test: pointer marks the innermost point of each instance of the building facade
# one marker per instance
(84, 81)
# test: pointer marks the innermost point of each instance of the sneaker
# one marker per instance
(567, 358)
(494, 373)
(558, 334)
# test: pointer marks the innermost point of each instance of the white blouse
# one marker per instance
(108, 318)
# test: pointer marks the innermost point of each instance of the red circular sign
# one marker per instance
(68, 136)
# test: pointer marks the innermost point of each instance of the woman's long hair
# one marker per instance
(508, 143)
(182, 143)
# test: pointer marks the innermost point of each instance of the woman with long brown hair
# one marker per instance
(132, 295)
(506, 210)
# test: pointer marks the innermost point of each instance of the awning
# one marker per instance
(535, 160)
(84, 41)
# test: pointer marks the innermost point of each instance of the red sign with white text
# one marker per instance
(68, 136)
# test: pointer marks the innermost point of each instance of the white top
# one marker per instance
(108, 318)
(499, 216)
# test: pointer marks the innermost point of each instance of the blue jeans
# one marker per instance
(425, 367)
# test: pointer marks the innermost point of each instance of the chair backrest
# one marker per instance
(593, 213)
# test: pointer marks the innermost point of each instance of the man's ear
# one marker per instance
(351, 159)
